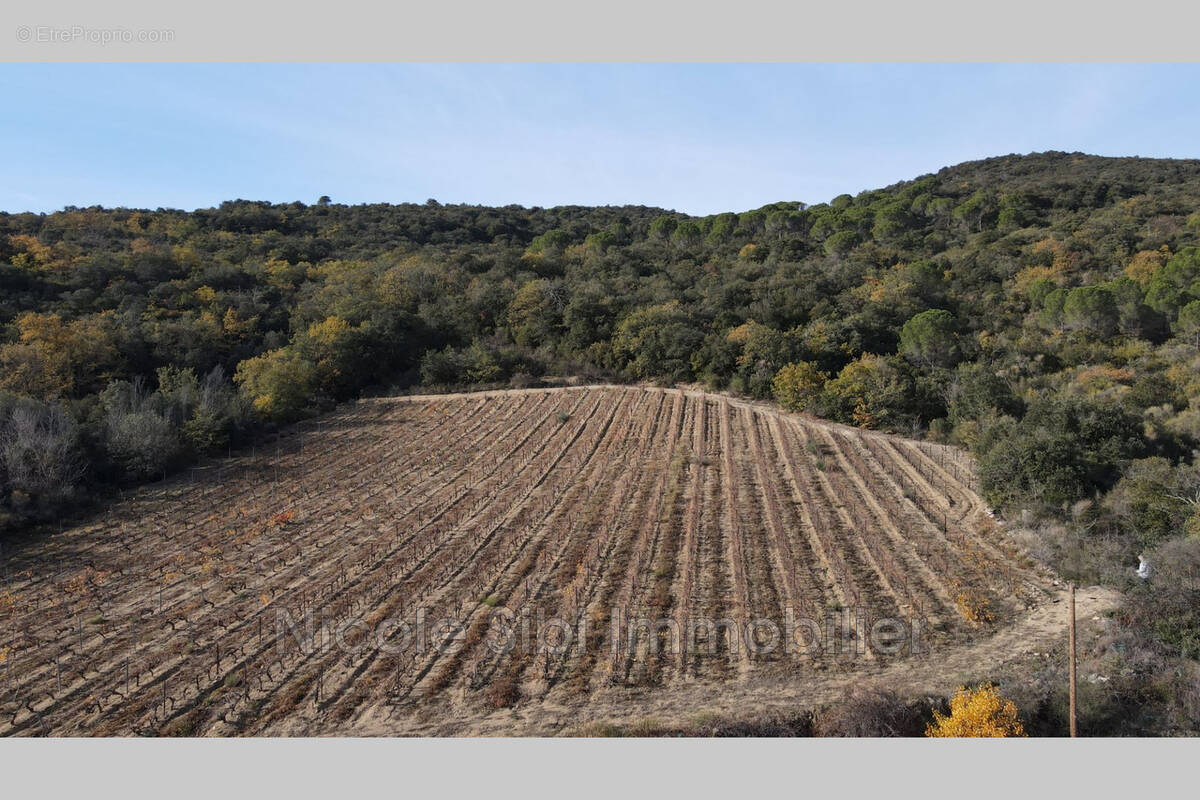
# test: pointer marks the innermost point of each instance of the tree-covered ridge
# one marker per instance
(1043, 310)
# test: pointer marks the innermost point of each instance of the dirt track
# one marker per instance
(937, 674)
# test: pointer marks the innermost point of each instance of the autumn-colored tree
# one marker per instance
(980, 712)
(798, 385)
(893, 291)
(335, 348)
(751, 252)
(279, 383)
(53, 358)
(41, 363)
(1145, 263)
(205, 295)
(31, 253)
(760, 351)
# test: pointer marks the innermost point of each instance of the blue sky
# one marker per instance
(697, 138)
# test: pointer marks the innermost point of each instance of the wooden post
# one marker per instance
(1074, 731)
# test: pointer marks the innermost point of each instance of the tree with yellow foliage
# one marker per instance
(798, 385)
(751, 252)
(1145, 263)
(980, 712)
(53, 358)
(333, 347)
(279, 383)
(30, 254)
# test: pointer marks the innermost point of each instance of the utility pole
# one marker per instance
(1074, 731)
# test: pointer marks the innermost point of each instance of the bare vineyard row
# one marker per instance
(580, 504)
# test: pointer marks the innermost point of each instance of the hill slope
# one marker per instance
(178, 611)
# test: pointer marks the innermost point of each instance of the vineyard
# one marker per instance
(399, 530)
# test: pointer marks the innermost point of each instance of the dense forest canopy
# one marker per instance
(1043, 310)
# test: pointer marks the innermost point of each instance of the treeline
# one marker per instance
(1042, 310)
